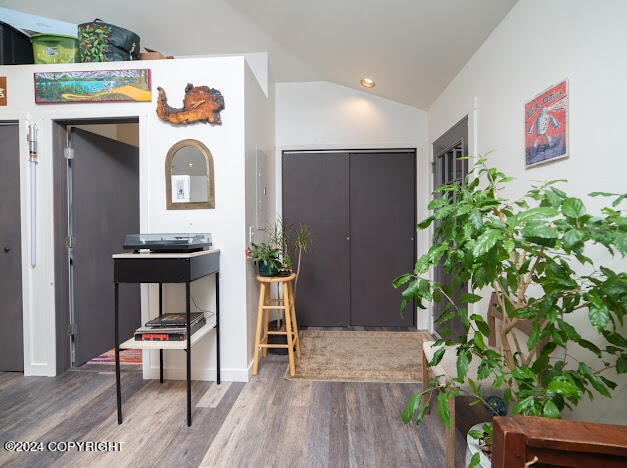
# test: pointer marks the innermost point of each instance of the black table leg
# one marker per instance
(117, 357)
(218, 327)
(189, 355)
(161, 350)
(161, 366)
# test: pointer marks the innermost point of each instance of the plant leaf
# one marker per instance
(462, 364)
(475, 220)
(402, 279)
(525, 406)
(443, 411)
(572, 238)
(564, 388)
(475, 460)
(437, 203)
(533, 231)
(590, 346)
(470, 298)
(550, 410)
(616, 339)
(486, 241)
(573, 208)
(478, 339)
(481, 324)
(593, 379)
(475, 433)
(425, 223)
(540, 213)
(524, 373)
(437, 357)
(411, 407)
(599, 315)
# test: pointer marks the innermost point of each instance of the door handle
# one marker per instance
(6, 250)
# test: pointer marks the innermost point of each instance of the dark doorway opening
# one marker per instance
(96, 202)
(448, 168)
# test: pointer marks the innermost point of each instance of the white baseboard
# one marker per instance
(39, 370)
(204, 374)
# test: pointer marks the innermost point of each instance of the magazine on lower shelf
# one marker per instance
(174, 319)
(159, 332)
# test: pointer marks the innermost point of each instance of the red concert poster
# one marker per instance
(546, 126)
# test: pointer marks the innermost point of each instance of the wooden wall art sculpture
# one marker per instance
(201, 104)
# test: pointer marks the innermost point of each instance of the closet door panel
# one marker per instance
(315, 192)
(382, 226)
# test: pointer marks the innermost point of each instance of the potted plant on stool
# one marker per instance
(533, 252)
(273, 258)
(268, 257)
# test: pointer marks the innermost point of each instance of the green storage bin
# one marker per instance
(54, 48)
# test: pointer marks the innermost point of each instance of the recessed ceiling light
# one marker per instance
(368, 82)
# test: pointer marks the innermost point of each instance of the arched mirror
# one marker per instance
(189, 176)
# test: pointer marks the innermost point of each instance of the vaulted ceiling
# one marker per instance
(411, 48)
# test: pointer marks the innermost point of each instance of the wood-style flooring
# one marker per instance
(267, 422)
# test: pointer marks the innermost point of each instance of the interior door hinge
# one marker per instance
(68, 153)
(71, 329)
(69, 242)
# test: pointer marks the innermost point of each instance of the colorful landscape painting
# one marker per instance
(93, 86)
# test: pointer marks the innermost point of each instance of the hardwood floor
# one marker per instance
(269, 421)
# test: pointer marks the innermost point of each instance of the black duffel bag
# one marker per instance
(103, 42)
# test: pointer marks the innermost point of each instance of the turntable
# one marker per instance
(174, 243)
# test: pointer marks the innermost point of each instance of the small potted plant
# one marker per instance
(267, 256)
(533, 253)
(273, 259)
(273, 255)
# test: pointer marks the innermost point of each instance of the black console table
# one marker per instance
(167, 268)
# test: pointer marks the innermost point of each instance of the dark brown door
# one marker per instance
(448, 168)
(360, 208)
(11, 323)
(104, 207)
(382, 230)
(315, 192)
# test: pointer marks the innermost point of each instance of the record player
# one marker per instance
(174, 243)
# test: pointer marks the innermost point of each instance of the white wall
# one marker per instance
(226, 222)
(259, 123)
(323, 115)
(537, 45)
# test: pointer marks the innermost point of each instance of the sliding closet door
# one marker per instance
(315, 192)
(382, 228)
(360, 207)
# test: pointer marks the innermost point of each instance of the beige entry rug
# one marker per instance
(360, 356)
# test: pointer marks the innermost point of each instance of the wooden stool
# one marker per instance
(286, 304)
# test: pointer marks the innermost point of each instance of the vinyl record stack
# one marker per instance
(170, 327)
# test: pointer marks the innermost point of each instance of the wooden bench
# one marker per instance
(446, 370)
(522, 440)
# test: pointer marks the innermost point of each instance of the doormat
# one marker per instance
(127, 356)
(360, 356)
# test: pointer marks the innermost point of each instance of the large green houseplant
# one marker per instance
(534, 253)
